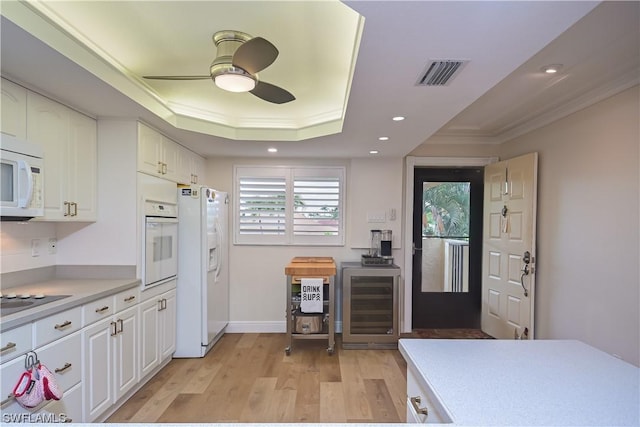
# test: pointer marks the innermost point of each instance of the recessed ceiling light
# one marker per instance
(398, 118)
(551, 69)
(383, 138)
(272, 150)
(373, 152)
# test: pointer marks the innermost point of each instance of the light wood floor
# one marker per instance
(248, 378)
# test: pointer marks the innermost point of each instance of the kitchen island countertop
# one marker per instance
(81, 291)
(530, 382)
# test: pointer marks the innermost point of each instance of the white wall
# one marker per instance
(257, 279)
(15, 245)
(588, 219)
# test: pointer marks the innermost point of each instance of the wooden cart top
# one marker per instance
(311, 266)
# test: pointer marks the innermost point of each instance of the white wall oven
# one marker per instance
(22, 180)
(160, 243)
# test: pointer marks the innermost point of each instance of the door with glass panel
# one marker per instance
(447, 237)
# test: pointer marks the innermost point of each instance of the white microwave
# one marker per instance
(21, 180)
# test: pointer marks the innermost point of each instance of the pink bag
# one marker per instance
(36, 384)
(50, 387)
(29, 391)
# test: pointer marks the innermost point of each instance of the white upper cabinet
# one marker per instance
(14, 110)
(191, 167)
(157, 154)
(69, 142)
(163, 157)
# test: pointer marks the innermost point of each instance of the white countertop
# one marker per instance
(81, 291)
(529, 382)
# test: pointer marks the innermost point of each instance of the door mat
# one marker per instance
(447, 334)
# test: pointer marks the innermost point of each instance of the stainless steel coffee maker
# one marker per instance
(380, 249)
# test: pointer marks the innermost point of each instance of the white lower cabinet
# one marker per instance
(110, 361)
(63, 358)
(149, 347)
(422, 405)
(167, 323)
(158, 330)
(67, 410)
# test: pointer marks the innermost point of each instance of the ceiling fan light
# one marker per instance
(235, 82)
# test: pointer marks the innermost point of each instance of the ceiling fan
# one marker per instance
(239, 57)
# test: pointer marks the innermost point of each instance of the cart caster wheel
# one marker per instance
(330, 351)
(287, 351)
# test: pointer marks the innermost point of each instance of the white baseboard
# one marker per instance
(239, 327)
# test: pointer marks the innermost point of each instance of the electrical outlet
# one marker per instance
(35, 247)
(378, 216)
(53, 242)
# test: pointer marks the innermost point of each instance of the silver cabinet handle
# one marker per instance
(63, 325)
(114, 329)
(9, 346)
(75, 209)
(164, 168)
(103, 309)
(121, 323)
(67, 209)
(129, 299)
(64, 368)
(159, 167)
(9, 398)
(415, 402)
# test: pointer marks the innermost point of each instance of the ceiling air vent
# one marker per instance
(440, 72)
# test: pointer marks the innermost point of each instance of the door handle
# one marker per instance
(526, 258)
(414, 248)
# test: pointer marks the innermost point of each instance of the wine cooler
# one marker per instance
(370, 306)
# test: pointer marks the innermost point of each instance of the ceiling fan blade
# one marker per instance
(177, 77)
(255, 55)
(272, 93)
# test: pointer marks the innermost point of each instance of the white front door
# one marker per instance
(509, 234)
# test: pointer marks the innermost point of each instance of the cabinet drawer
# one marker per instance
(10, 373)
(128, 298)
(16, 342)
(63, 359)
(67, 410)
(98, 310)
(419, 399)
(57, 326)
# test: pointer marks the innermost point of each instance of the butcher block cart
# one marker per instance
(310, 326)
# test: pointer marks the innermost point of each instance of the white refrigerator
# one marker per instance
(203, 274)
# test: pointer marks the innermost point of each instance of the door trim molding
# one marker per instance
(411, 163)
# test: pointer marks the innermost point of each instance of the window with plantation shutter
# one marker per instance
(277, 205)
(262, 206)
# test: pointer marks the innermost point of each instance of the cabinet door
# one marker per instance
(150, 150)
(82, 167)
(48, 126)
(98, 372)
(197, 169)
(149, 339)
(171, 159)
(14, 110)
(168, 324)
(183, 170)
(126, 354)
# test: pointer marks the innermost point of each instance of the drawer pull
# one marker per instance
(9, 346)
(114, 328)
(103, 309)
(64, 368)
(9, 398)
(63, 325)
(415, 402)
(131, 298)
